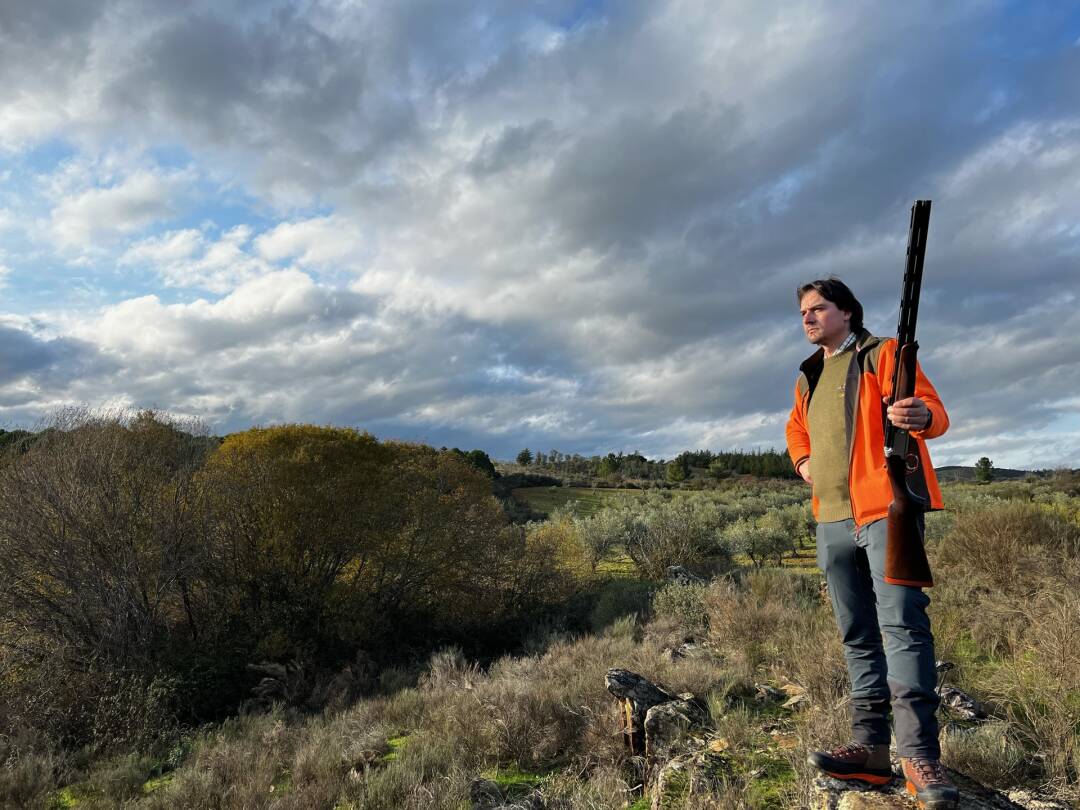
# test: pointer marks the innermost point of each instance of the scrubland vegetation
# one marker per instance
(306, 617)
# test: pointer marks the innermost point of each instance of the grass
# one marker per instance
(617, 564)
(588, 500)
(545, 720)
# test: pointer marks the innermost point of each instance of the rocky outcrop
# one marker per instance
(667, 723)
(654, 720)
(680, 760)
(834, 794)
(698, 773)
(637, 695)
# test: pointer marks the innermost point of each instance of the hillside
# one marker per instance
(954, 473)
(454, 660)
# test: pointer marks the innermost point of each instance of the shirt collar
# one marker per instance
(849, 341)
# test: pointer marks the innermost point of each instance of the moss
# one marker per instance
(644, 803)
(157, 783)
(512, 777)
(62, 799)
(396, 746)
(72, 796)
(676, 791)
(769, 779)
(515, 782)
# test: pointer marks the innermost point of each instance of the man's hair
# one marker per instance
(833, 289)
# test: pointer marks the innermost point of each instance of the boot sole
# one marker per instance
(930, 804)
(878, 779)
(871, 778)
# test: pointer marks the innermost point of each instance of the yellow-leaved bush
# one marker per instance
(129, 545)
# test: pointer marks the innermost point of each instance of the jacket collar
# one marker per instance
(811, 366)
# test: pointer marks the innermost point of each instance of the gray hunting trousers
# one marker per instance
(887, 640)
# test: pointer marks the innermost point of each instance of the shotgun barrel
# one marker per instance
(905, 556)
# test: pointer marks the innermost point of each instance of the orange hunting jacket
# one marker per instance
(870, 377)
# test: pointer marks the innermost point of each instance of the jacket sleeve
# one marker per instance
(924, 390)
(939, 419)
(798, 437)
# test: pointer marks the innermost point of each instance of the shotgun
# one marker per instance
(905, 553)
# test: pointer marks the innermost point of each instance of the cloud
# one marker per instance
(555, 223)
(190, 259)
(38, 372)
(133, 203)
(320, 241)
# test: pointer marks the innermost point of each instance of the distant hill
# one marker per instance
(957, 473)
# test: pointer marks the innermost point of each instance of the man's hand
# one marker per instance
(909, 414)
(804, 471)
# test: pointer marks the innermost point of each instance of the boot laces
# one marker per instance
(928, 770)
(850, 748)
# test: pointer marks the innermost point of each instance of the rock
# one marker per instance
(687, 775)
(688, 649)
(484, 794)
(796, 696)
(666, 723)
(638, 695)
(1030, 801)
(642, 692)
(765, 693)
(834, 794)
(534, 801)
(682, 576)
(963, 704)
(653, 718)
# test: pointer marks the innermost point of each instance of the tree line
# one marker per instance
(690, 463)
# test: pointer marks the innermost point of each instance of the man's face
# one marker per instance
(823, 322)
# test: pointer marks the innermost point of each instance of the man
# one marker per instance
(835, 437)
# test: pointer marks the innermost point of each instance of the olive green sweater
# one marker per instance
(828, 445)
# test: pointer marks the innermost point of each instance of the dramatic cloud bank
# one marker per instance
(571, 225)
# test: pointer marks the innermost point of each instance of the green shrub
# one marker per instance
(619, 598)
(760, 540)
(1011, 546)
(686, 603)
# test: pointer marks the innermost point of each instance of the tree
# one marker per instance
(295, 511)
(482, 462)
(676, 471)
(984, 470)
(96, 537)
(478, 459)
(609, 465)
(525, 457)
(759, 540)
(719, 470)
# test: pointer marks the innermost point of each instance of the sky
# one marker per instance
(557, 225)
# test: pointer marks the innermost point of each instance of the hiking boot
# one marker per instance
(928, 783)
(867, 763)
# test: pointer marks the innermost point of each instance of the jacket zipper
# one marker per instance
(854, 427)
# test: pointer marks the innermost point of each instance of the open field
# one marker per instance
(534, 714)
(588, 499)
